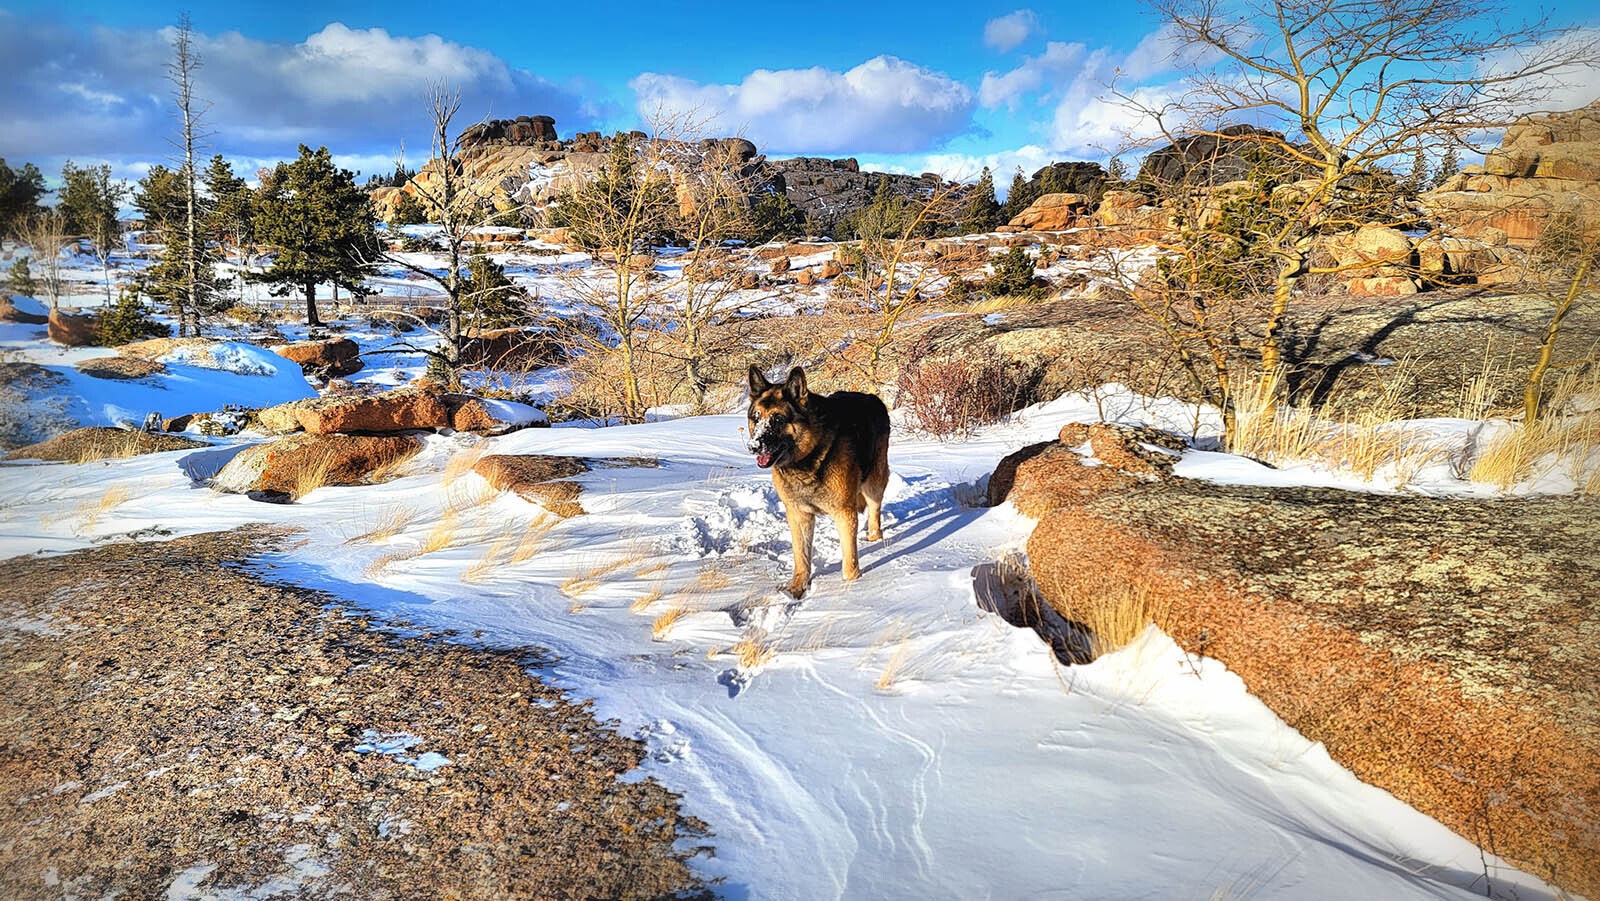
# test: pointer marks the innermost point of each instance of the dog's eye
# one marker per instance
(779, 422)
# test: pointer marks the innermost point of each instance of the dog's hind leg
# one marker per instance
(801, 527)
(872, 490)
(847, 523)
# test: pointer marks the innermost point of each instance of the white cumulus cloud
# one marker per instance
(883, 105)
(1006, 32)
(1056, 65)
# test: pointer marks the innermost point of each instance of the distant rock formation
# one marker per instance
(1546, 166)
(523, 131)
(828, 190)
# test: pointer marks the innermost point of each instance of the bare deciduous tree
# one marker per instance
(196, 284)
(46, 234)
(1349, 86)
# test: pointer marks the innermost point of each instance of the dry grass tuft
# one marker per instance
(391, 522)
(441, 536)
(462, 462)
(533, 538)
(892, 669)
(661, 627)
(91, 510)
(591, 577)
(752, 653)
(313, 475)
(712, 576)
(1000, 304)
(1566, 441)
(112, 447)
(642, 602)
(491, 559)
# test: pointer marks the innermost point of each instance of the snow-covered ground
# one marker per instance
(883, 739)
(897, 741)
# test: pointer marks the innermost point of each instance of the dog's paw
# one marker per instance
(850, 575)
(874, 535)
(795, 589)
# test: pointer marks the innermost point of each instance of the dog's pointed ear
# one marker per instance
(795, 387)
(758, 380)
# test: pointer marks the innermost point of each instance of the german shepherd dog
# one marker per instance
(829, 453)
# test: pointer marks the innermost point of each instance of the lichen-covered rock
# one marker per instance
(73, 329)
(1053, 212)
(405, 410)
(120, 368)
(535, 477)
(1447, 651)
(324, 359)
(101, 443)
(299, 463)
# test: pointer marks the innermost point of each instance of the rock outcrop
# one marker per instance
(537, 478)
(1546, 166)
(402, 410)
(1054, 212)
(297, 464)
(324, 359)
(73, 329)
(101, 443)
(10, 313)
(1444, 650)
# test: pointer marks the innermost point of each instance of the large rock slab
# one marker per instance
(391, 411)
(1447, 651)
(299, 463)
(101, 443)
(73, 329)
(1053, 212)
(537, 478)
(324, 359)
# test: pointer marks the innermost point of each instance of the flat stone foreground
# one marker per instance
(1445, 650)
(165, 715)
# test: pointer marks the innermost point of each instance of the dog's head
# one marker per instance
(779, 414)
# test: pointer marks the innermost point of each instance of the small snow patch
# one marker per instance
(396, 744)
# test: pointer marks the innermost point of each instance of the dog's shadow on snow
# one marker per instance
(921, 521)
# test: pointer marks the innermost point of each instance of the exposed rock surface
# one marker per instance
(827, 190)
(10, 313)
(178, 720)
(120, 368)
(297, 463)
(1054, 212)
(324, 359)
(101, 443)
(538, 478)
(1546, 165)
(73, 329)
(1447, 651)
(403, 410)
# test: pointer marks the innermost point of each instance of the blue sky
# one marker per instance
(903, 85)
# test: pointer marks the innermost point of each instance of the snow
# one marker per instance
(899, 742)
(894, 740)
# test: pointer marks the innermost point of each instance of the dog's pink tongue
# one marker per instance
(763, 460)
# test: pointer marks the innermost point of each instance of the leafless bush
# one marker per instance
(952, 395)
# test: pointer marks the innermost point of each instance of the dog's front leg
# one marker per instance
(801, 527)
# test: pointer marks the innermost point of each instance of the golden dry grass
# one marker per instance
(117, 447)
(661, 626)
(91, 510)
(642, 602)
(592, 575)
(391, 522)
(999, 304)
(462, 462)
(893, 669)
(533, 538)
(1566, 441)
(312, 475)
(753, 653)
(441, 536)
(491, 560)
(713, 576)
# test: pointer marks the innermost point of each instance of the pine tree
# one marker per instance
(230, 213)
(1417, 180)
(89, 200)
(22, 278)
(162, 199)
(1449, 164)
(320, 225)
(20, 190)
(982, 211)
(491, 300)
(1022, 194)
(126, 321)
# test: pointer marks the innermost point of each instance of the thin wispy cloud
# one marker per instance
(1006, 32)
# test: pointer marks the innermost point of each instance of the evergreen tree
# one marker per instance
(1449, 165)
(20, 190)
(320, 225)
(22, 278)
(1013, 273)
(161, 197)
(491, 300)
(1022, 194)
(126, 321)
(773, 215)
(89, 200)
(1417, 180)
(230, 213)
(982, 211)
(408, 211)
